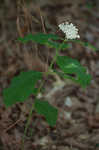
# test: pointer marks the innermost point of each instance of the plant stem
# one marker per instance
(41, 85)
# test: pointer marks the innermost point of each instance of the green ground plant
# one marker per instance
(23, 85)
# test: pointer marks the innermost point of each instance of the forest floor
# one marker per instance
(77, 126)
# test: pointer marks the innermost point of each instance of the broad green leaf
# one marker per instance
(97, 144)
(56, 45)
(21, 87)
(40, 38)
(70, 67)
(90, 5)
(35, 91)
(44, 108)
(86, 44)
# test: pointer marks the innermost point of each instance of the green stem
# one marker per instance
(41, 85)
(55, 57)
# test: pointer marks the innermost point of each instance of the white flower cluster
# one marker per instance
(70, 30)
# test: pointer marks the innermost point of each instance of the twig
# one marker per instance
(11, 126)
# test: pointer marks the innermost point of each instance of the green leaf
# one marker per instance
(86, 44)
(56, 45)
(40, 38)
(90, 5)
(21, 87)
(35, 91)
(72, 67)
(97, 145)
(44, 108)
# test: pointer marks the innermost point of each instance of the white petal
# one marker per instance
(70, 30)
